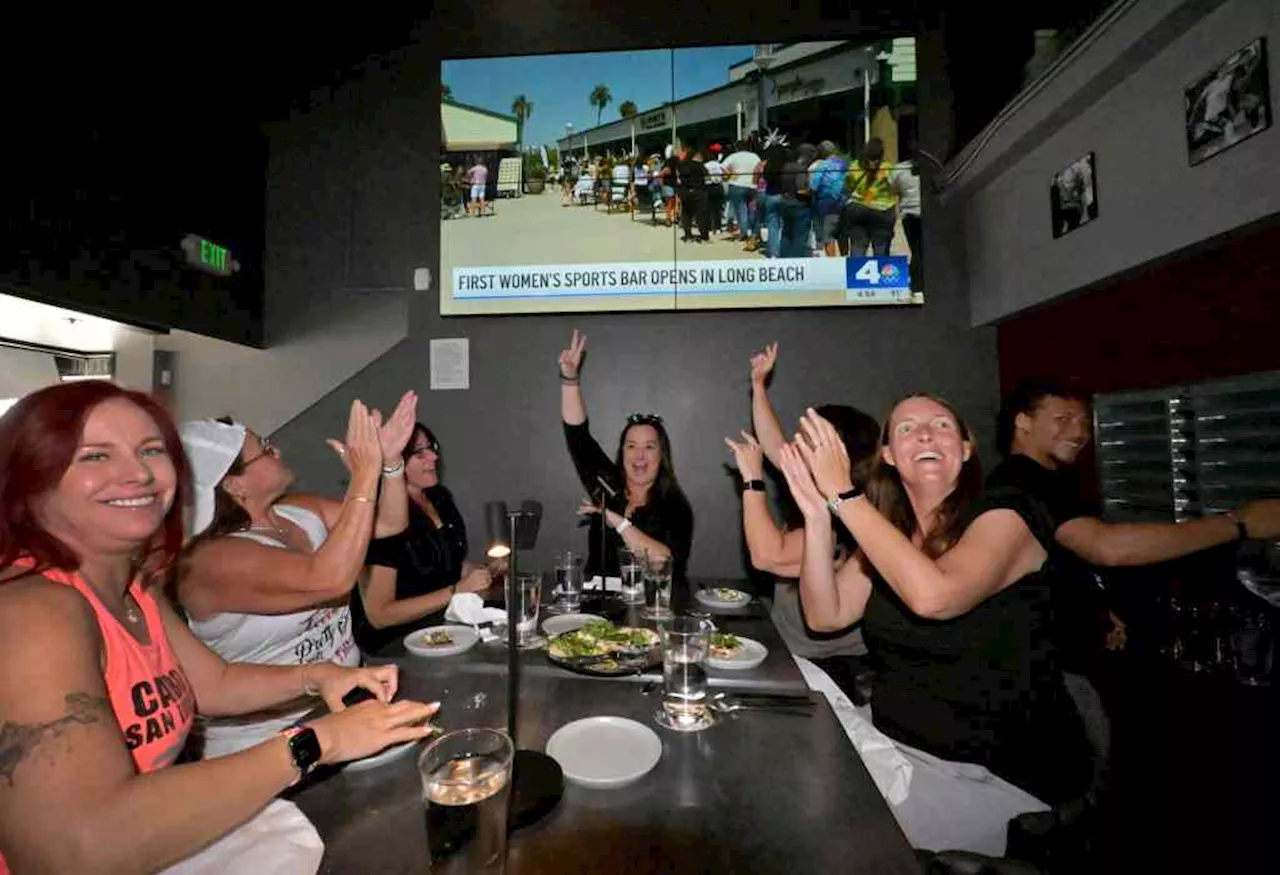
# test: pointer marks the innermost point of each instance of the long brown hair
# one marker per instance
(886, 492)
(38, 440)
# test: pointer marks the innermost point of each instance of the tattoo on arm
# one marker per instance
(19, 740)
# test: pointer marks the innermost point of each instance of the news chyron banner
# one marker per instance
(696, 285)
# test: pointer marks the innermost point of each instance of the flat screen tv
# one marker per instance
(740, 176)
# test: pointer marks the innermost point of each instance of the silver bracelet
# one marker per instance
(396, 470)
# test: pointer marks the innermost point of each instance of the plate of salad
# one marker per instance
(600, 648)
(735, 653)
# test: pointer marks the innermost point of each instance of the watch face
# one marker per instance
(305, 748)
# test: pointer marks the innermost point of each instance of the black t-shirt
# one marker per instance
(693, 174)
(426, 559)
(795, 181)
(775, 158)
(1081, 616)
(667, 520)
(983, 687)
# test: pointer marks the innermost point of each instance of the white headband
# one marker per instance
(212, 448)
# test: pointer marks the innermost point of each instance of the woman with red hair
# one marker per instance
(102, 678)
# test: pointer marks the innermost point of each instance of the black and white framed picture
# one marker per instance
(1073, 196)
(1228, 104)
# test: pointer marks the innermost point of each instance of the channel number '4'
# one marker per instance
(869, 272)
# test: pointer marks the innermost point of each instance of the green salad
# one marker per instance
(601, 638)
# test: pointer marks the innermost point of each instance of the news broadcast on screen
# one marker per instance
(716, 177)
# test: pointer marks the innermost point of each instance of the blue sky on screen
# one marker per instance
(558, 85)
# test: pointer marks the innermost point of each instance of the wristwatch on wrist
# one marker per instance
(753, 486)
(304, 747)
(833, 504)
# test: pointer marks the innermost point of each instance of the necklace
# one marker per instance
(131, 612)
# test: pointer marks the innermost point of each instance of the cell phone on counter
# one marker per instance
(356, 696)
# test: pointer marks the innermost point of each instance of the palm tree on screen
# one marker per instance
(522, 108)
(600, 98)
(445, 91)
(627, 109)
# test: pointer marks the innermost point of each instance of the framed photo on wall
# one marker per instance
(1073, 196)
(1230, 103)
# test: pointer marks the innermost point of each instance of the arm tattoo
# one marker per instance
(19, 740)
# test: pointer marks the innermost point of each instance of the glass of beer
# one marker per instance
(465, 780)
(685, 641)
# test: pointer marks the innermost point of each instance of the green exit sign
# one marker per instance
(209, 256)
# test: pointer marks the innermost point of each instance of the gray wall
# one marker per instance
(1151, 202)
(502, 438)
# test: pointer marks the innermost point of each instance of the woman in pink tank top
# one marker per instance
(102, 679)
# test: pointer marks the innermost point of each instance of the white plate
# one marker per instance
(464, 638)
(711, 598)
(379, 759)
(605, 752)
(750, 653)
(567, 623)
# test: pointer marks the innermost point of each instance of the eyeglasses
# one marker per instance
(269, 448)
(426, 447)
(644, 419)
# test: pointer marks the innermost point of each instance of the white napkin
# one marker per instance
(468, 609)
(279, 839)
(611, 584)
(888, 767)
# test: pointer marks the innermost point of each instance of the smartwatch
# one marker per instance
(753, 486)
(304, 747)
(833, 504)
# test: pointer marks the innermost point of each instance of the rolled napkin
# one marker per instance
(468, 609)
(889, 768)
(279, 840)
(611, 584)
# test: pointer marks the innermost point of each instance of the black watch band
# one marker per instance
(753, 486)
(304, 747)
(833, 504)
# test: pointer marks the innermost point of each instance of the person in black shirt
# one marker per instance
(773, 161)
(412, 575)
(692, 176)
(642, 505)
(953, 593)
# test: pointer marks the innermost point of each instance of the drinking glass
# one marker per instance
(657, 586)
(685, 642)
(529, 591)
(568, 581)
(465, 780)
(631, 567)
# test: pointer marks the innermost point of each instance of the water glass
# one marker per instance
(657, 586)
(685, 642)
(631, 568)
(529, 592)
(466, 777)
(568, 587)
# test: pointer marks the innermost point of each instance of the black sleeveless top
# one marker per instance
(983, 687)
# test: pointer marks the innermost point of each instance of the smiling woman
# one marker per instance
(102, 678)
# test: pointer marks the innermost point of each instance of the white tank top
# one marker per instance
(321, 634)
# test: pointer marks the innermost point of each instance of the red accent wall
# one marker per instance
(1214, 314)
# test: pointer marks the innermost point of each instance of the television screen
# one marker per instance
(773, 175)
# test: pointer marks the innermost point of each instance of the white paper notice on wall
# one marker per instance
(450, 363)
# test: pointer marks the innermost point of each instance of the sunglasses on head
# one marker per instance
(269, 448)
(644, 419)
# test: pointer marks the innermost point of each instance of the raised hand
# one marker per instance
(762, 365)
(361, 452)
(748, 456)
(800, 482)
(394, 434)
(825, 454)
(587, 507)
(364, 729)
(571, 358)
